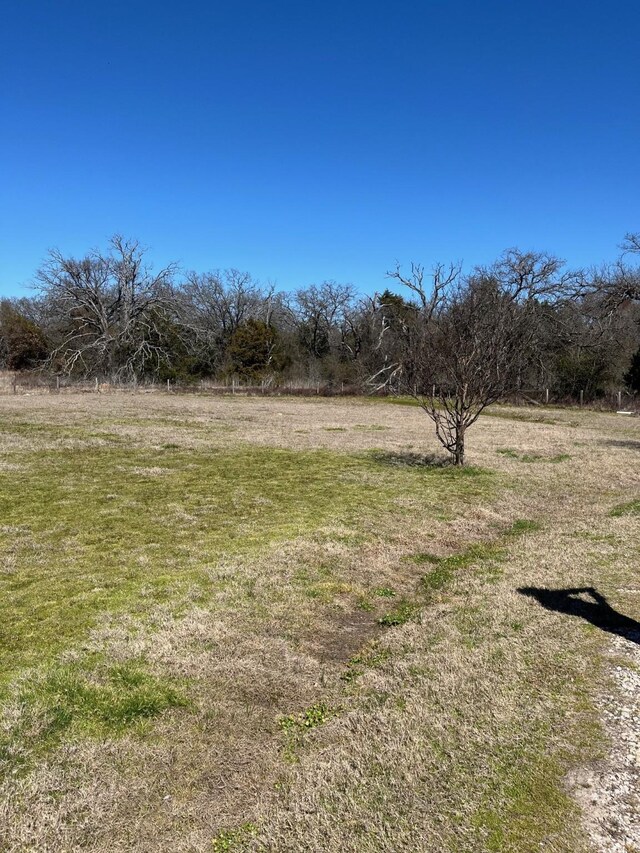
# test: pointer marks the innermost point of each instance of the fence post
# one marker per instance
(168, 385)
(581, 397)
(619, 399)
(15, 390)
(546, 397)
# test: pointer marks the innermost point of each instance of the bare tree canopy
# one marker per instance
(110, 309)
(616, 284)
(215, 305)
(523, 322)
(465, 340)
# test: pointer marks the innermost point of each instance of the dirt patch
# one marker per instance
(340, 639)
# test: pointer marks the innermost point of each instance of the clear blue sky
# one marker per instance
(305, 141)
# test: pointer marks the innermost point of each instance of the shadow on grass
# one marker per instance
(597, 610)
(629, 444)
(404, 459)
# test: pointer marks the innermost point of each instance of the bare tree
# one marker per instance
(325, 315)
(619, 283)
(214, 305)
(465, 341)
(107, 310)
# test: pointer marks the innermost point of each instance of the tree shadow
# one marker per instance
(598, 611)
(629, 444)
(404, 459)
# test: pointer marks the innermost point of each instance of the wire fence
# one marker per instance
(612, 401)
(42, 383)
(621, 400)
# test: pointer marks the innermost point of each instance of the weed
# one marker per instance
(294, 726)
(308, 719)
(351, 673)
(227, 839)
(384, 592)
(316, 715)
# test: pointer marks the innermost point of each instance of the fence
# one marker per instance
(44, 383)
(612, 401)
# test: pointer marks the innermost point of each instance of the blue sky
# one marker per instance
(308, 141)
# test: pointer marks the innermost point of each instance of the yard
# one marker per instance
(273, 624)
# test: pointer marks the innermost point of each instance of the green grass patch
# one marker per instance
(371, 427)
(487, 554)
(71, 700)
(439, 577)
(403, 612)
(537, 457)
(629, 508)
(95, 529)
(508, 451)
(522, 526)
(525, 800)
(395, 401)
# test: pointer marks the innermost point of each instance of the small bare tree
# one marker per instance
(465, 341)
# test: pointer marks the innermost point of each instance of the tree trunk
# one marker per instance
(458, 452)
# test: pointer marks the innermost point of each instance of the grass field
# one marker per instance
(276, 625)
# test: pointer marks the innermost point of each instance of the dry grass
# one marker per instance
(452, 731)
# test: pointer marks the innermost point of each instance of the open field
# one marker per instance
(267, 625)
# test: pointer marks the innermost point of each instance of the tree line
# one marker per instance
(525, 322)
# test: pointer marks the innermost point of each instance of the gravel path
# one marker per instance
(610, 793)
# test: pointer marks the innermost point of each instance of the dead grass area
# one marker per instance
(258, 624)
